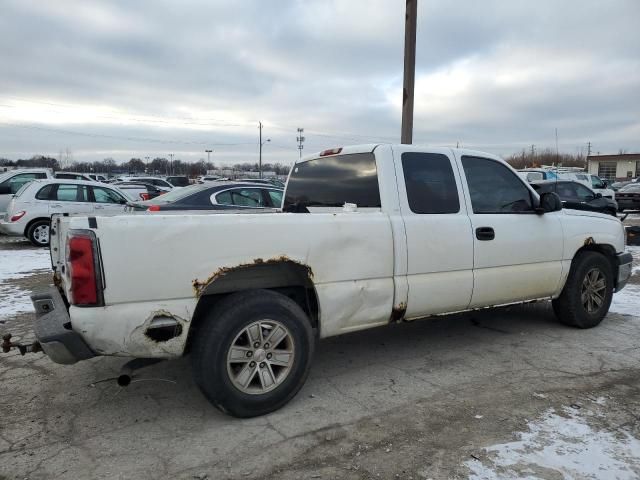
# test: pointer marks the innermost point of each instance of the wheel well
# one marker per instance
(26, 229)
(609, 253)
(284, 276)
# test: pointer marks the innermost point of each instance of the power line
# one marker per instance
(118, 137)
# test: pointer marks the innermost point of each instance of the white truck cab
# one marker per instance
(368, 235)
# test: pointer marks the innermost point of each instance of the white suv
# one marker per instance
(13, 180)
(29, 212)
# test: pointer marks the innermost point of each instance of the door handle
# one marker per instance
(98, 207)
(485, 233)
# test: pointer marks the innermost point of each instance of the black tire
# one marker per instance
(620, 210)
(35, 233)
(612, 212)
(227, 322)
(569, 307)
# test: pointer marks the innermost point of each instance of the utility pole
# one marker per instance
(147, 159)
(300, 140)
(171, 164)
(411, 16)
(533, 150)
(557, 152)
(261, 144)
(208, 152)
(588, 149)
(260, 160)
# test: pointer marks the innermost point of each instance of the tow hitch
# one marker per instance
(7, 345)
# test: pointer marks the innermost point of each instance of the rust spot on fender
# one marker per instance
(589, 241)
(398, 312)
(200, 285)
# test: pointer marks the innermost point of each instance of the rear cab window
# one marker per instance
(430, 183)
(326, 183)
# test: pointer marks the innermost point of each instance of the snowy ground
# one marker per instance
(14, 265)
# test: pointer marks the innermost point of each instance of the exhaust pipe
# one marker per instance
(126, 372)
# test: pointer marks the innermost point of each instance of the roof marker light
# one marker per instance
(331, 151)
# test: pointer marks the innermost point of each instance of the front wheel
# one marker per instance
(587, 295)
(253, 352)
(38, 233)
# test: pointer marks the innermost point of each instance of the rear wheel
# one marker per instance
(253, 353)
(38, 233)
(587, 295)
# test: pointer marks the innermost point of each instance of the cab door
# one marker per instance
(438, 231)
(517, 254)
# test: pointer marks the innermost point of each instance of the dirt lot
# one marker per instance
(500, 394)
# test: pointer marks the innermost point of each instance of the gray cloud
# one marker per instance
(494, 74)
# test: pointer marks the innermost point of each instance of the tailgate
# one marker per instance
(57, 235)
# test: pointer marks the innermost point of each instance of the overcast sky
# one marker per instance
(129, 79)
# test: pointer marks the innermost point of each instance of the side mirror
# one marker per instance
(598, 195)
(605, 183)
(5, 189)
(549, 202)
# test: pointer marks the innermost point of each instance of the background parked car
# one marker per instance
(628, 197)
(577, 196)
(29, 212)
(215, 196)
(615, 186)
(139, 191)
(97, 178)
(593, 182)
(161, 183)
(73, 176)
(208, 178)
(13, 180)
(179, 181)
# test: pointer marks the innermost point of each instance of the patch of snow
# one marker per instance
(627, 300)
(565, 445)
(16, 264)
(539, 395)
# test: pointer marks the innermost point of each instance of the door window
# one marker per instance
(276, 198)
(105, 195)
(431, 186)
(494, 188)
(71, 193)
(583, 193)
(241, 197)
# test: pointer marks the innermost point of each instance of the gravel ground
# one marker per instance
(505, 393)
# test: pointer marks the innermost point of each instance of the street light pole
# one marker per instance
(171, 164)
(208, 152)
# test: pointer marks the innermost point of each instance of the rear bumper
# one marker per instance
(625, 265)
(53, 329)
(11, 228)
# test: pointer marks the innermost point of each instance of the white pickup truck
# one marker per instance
(368, 235)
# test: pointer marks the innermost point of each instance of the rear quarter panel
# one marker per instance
(350, 255)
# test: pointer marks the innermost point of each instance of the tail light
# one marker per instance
(18, 216)
(153, 208)
(144, 196)
(82, 265)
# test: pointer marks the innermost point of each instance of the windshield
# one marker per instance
(551, 175)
